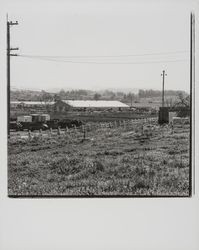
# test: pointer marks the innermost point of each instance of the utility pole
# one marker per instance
(163, 78)
(131, 100)
(192, 106)
(9, 49)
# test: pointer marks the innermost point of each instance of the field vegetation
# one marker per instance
(134, 159)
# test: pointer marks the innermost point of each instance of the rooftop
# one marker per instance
(32, 103)
(95, 104)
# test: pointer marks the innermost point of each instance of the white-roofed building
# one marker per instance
(61, 108)
(65, 105)
(95, 104)
(30, 103)
(18, 108)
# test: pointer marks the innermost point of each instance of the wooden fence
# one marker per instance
(83, 130)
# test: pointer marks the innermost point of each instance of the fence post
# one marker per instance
(84, 132)
(29, 134)
(66, 130)
(172, 130)
(69, 132)
(124, 124)
(142, 129)
(58, 131)
(75, 131)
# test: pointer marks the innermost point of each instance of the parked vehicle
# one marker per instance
(24, 118)
(69, 123)
(54, 124)
(43, 122)
(34, 126)
(17, 126)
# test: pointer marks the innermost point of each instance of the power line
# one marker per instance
(112, 56)
(95, 62)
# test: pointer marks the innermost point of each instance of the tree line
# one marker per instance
(81, 94)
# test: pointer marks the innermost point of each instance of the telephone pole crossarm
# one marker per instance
(14, 48)
(13, 23)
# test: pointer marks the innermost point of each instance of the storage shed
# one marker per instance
(29, 103)
(166, 114)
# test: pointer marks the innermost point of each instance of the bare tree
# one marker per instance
(183, 101)
(47, 98)
(96, 96)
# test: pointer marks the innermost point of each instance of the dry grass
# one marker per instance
(121, 161)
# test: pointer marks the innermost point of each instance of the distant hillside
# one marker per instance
(142, 96)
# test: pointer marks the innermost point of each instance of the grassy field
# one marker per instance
(125, 160)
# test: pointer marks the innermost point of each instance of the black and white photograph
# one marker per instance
(99, 100)
(99, 124)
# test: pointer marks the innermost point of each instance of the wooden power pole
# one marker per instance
(163, 79)
(192, 106)
(9, 49)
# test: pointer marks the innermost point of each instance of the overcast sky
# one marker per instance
(127, 30)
